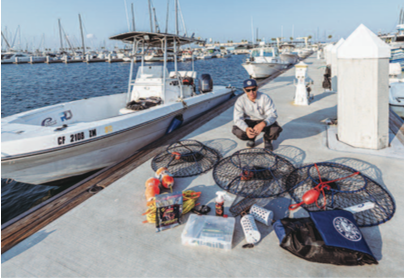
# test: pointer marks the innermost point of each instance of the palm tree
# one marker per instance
(273, 39)
(309, 37)
(330, 36)
(291, 38)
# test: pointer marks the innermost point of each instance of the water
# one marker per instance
(26, 87)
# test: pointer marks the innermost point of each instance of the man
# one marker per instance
(255, 112)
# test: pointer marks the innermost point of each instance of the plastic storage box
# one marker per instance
(211, 231)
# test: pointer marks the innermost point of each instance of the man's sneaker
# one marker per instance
(250, 144)
(268, 145)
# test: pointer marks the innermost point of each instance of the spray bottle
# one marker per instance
(220, 203)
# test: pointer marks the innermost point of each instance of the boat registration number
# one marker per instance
(77, 137)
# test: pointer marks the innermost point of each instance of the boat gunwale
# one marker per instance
(90, 140)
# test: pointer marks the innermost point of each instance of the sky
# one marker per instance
(219, 20)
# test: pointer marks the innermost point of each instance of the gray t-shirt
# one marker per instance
(262, 108)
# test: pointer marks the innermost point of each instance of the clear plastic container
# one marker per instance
(211, 231)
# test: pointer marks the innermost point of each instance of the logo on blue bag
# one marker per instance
(347, 229)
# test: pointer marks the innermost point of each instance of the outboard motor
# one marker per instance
(205, 83)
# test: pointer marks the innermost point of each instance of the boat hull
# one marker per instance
(289, 58)
(261, 70)
(71, 160)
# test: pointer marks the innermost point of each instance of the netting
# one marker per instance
(253, 173)
(341, 187)
(186, 158)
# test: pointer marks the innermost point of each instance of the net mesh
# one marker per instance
(253, 173)
(345, 193)
(186, 158)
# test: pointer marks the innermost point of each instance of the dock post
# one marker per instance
(363, 98)
(334, 65)
(31, 59)
(47, 59)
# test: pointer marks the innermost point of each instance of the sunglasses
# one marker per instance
(250, 90)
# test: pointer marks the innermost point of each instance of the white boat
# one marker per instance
(214, 51)
(224, 54)
(187, 55)
(304, 52)
(20, 57)
(263, 62)
(156, 55)
(287, 55)
(73, 138)
(396, 98)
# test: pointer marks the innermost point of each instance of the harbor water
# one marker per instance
(26, 87)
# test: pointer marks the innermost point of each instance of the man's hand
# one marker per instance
(250, 132)
(259, 127)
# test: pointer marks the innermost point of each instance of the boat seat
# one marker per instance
(192, 74)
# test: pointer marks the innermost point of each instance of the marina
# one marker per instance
(102, 232)
(177, 155)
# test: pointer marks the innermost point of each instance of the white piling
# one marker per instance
(363, 98)
(327, 53)
(334, 65)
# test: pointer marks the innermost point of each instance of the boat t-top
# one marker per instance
(73, 138)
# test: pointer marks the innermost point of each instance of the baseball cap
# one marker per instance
(250, 83)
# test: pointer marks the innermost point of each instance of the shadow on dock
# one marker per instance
(25, 245)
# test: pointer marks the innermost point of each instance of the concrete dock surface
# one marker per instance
(105, 237)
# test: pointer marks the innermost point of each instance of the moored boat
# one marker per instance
(263, 62)
(72, 138)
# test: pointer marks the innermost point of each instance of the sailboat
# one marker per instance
(73, 138)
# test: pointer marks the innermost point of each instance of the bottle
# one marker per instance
(220, 203)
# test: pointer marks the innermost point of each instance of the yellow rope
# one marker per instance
(189, 202)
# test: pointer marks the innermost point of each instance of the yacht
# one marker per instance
(287, 54)
(20, 57)
(263, 62)
(73, 138)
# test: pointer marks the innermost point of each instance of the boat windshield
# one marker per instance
(150, 72)
(7, 56)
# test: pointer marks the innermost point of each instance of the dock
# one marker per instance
(105, 237)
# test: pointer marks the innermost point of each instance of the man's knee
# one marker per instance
(239, 133)
(273, 131)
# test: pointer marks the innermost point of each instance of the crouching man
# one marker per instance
(255, 112)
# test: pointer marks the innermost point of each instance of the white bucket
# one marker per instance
(252, 235)
(262, 215)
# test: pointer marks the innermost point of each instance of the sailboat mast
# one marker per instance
(167, 18)
(4, 38)
(60, 33)
(132, 12)
(176, 17)
(150, 15)
(156, 22)
(81, 32)
(183, 20)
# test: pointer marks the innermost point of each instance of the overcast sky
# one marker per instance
(221, 20)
